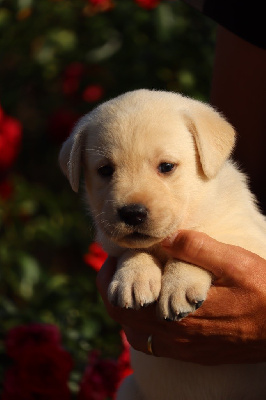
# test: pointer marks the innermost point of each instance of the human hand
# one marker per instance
(230, 325)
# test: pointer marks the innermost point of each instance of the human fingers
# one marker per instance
(205, 351)
(221, 259)
(159, 346)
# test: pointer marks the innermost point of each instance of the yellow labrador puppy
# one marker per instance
(155, 162)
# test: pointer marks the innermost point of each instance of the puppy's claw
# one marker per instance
(198, 304)
(182, 315)
(128, 307)
(147, 304)
(177, 317)
(113, 299)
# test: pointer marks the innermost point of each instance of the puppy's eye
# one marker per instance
(166, 167)
(106, 171)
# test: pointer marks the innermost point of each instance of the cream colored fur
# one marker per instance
(134, 134)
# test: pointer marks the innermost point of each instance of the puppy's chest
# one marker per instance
(158, 252)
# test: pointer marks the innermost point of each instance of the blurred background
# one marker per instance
(58, 60)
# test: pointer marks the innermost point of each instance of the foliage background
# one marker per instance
(58, 59)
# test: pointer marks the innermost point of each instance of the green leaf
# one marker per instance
(30, 275)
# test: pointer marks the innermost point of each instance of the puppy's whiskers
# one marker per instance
(106, 225)
(97, 150)
(110, 201)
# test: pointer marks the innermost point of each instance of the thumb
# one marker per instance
(202, 250)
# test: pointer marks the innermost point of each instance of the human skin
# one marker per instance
(230, 325)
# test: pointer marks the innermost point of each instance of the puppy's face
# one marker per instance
(148, 157)
(141, 172)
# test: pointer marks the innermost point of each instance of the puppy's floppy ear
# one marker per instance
(214, 136)
(71, 153)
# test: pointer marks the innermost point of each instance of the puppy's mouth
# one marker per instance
(138, 240)
(137, 236)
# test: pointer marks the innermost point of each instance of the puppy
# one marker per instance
(155, 162)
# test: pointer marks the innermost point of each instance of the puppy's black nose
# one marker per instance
(133, 214)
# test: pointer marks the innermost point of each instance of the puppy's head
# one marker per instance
(146, 156)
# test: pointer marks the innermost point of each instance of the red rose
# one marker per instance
(10, 140)
(100, 379)
(72, 77)
(95, 257)
(42, 372)
(97, 2)
(11, 390)
(103, 5)
(61, 123)
(124, 367)
(41, 366)
(28, 335)
(93, 93)
(148, 4)
(103, 377)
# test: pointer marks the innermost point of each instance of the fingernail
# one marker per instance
(168, 242)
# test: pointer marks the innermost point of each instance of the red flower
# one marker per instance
(41, 366)
(72, 77)
(95, 257)
(103, 377)
(148, 4)
(100, 379)
(61, 123)
(97, 2)
(102, 5)
(42, 372)
(30, 335)
(93, 93)
(10, 140)
(124, 367)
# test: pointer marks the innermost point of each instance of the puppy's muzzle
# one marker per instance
(133, 214)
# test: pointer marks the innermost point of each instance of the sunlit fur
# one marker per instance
(135, 133)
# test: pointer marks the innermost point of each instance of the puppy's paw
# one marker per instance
(136, 283)
(184, 289)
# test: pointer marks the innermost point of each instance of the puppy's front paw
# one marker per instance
(184, 289)
(137, 281)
